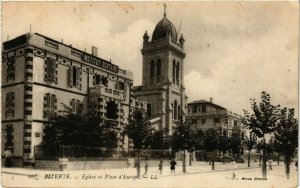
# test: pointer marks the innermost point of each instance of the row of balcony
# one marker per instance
(107, 91)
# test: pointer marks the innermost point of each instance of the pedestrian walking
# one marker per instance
(234, 167)
(296, 165)
(173, 164)
(8, 158)
(160, 166)
(138, 165)
(146, 167)
(270, 164)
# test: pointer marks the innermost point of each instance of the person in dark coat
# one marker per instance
(173, 164)
(160, 166)
(146, 167)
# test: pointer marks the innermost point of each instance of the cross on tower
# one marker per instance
(165, 7)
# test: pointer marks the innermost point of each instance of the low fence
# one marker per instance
(96, 153)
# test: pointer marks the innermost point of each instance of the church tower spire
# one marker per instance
(165, 7)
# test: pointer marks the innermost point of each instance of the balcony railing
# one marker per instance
(107, 90)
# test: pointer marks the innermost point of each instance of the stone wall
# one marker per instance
(47, 164)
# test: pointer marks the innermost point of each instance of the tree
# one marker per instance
(286, 134)
(249, 143)
(139, 130)
(261, 122)
(183, 139)
(211, 143)
(236, 144)
(69, 129)
(199, 139)
(159, 139)
(277, 149)
(224, 144)
(270, 148)
(259, 147)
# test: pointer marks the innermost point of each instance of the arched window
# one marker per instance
(224, 133)
(158, 68)
(174, 71)
(175, 110)
(111, 110)
(149, 110)
(152, 69)
(179, 112)
(177, 73)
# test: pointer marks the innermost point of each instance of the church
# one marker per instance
(163, 76)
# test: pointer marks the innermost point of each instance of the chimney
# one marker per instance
(94, 51)
(211, 100)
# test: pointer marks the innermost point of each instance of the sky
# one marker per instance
(235, 50)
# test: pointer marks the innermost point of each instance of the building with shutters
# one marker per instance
(206, 114)
(39, 74)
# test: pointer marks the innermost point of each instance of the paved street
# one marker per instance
(199, 174)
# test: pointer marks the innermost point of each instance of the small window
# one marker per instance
(112, 110)
(75, 77)
(194, 121)
(195, 109)
(50, 69)
(149, 110)
(174, 71)
(216, 120)
(10, 71)
(203, 121)
(158, 68)
(203, 109)
(104, 81)
(50, 107)
(97, 79)
(9, 136)
(10, 104)
(152, 69)
(235, 123)
(177, 73)
(121, 85)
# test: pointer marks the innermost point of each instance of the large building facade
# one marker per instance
(162, 77)
(40, 74)
(206, 115)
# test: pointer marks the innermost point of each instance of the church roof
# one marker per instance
(162, 28)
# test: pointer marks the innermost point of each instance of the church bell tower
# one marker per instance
(163, 71)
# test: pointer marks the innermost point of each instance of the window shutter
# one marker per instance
(94, 79)
(46, 69)
(74, 106)
(7, 100)
(54, 102)
(77, 78)
(12, 99)
(45, 106)
(71, 76)
(80, 78)
(71, 104)
(55, 72)
(78, 107)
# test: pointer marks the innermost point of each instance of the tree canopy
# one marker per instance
(139, 129)
(71, 129)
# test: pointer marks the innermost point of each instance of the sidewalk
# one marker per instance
(198, 174)
(197, 167)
